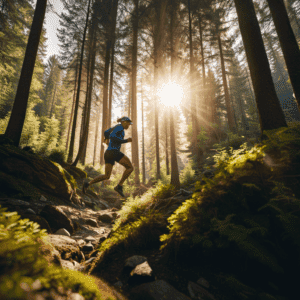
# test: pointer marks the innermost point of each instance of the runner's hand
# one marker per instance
(129, 139)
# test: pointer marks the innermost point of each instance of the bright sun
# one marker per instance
(170, 94)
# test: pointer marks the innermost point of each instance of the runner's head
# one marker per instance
(125, 121)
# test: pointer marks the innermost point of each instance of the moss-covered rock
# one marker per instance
(36, 171)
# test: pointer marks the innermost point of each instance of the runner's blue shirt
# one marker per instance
(116, 138)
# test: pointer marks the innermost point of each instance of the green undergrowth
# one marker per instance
(21, 262)
(246, 220)
(140, 224)
(241, 228)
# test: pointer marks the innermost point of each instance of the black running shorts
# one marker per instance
(110, 156)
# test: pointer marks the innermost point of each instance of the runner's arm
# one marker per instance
(116, 136)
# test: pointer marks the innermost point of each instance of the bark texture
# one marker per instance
(270, 113)
(17, 118)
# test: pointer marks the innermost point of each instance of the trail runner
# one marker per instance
(114, 137)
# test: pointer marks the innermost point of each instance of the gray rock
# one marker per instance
(106, 218)
(75, 296)
(14, 202)
(77, 237)
(141, 274)
(157, 290)
(67, 247)
(91, 222)
(89, 239)
(30, 211)
(135, 260)
(203, 282)
(43, 199)
(56, 218)
(88, 247)
(198, 292)
(63, 231)
(66, 264)
(81, 243)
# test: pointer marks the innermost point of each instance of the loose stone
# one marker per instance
(63, 231)
(30, 211)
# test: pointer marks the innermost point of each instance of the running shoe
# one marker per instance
(119, 190)
(85, 186)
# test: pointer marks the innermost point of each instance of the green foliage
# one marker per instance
(233, 141)
(133, 208)
(202, 137)
(285, 141)
(230, 218)
(231, 160)
(58, 155)
(164, 191)
(48, 139)
(164, 178)
(142, 233)
(30, 132)
(21, 261)
(186, 176)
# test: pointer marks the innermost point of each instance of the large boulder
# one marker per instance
(56, 218)
(42, 173)
(66, 246)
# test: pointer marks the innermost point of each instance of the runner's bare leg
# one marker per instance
(125, 162)
(108, 169)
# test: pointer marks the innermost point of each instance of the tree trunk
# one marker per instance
(52, 104)
(192, 96)
(71, 151)
(204, 105)
(85, 110)
(105, 94)
(17, 118)
(88, 103)
(72, 111)
(230, 116)
(270, 113)
(96, 135)
(135, 142)
(143, 137)
(111, 82)
(288, 44)
(160, 8)
(174, 166)
(113, 18)
(167, 144)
